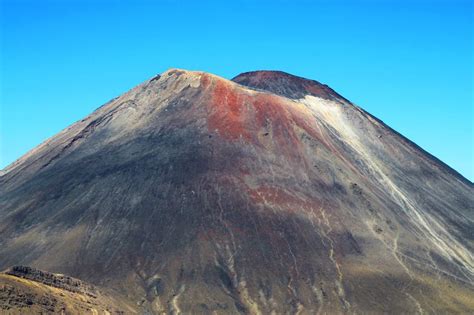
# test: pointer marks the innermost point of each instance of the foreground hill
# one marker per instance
(269, 193)
(25, 290)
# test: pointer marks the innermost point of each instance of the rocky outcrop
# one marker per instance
(54, 280)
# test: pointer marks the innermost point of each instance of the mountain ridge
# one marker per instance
(237, 79)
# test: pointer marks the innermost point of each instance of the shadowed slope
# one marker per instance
(194, 194)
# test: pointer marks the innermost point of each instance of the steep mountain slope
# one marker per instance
(195, 194)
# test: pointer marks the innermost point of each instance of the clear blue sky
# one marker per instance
(410, 63)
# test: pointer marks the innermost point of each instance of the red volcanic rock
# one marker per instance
(270, 194)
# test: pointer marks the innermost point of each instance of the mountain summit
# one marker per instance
(268, 194)
(285, 84)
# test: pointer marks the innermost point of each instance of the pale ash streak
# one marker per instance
(449, 247)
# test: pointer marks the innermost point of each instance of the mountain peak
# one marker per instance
(270, 194)
(286, 84)
(273, 81)
(179, 71)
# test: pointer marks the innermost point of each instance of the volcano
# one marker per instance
(264, 194)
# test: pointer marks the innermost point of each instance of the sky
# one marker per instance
(409, 63)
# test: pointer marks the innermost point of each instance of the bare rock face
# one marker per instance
(194, 194)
